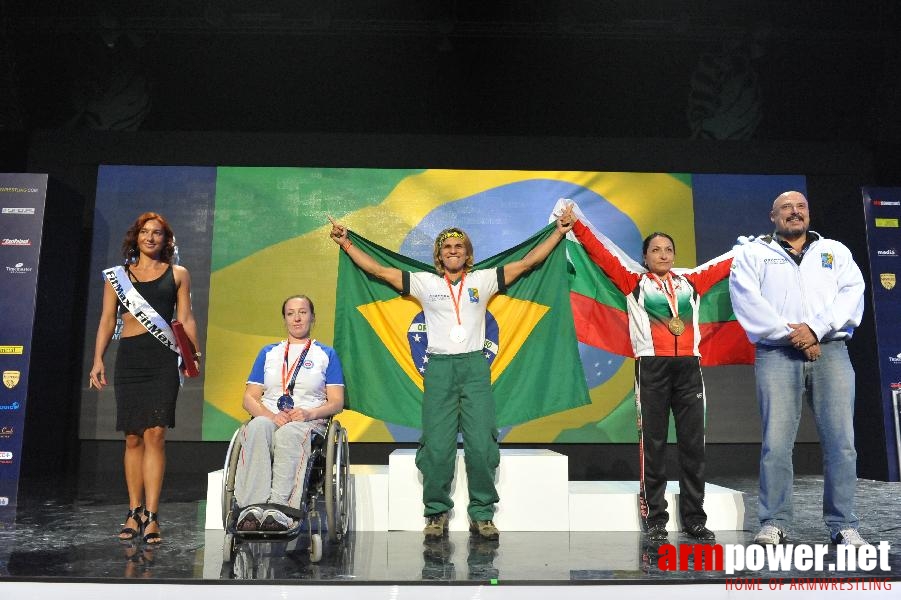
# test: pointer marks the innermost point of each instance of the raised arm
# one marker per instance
(389, 275)
(536, 256)
(596, 246)
(705, 276)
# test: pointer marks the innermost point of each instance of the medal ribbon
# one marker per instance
(289, 387)
(670, 292)
(456, 300)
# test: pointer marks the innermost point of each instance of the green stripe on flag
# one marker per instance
(588, 280)
(716, 305)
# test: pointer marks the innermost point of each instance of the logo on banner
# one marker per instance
(24, 210)
(886, 222)
(13, 406)
(12, 349)
(886, 203)
(887, 280)
(15, 242)
(886, 252)
(19, 269)
(6, 458)
(11, 378)
(4, 501)
(6, 431)
(895, 359)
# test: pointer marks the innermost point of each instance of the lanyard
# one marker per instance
(286, 386)
(456, 300)
(670, 292)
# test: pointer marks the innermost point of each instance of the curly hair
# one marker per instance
(450, 232)
(130, 243)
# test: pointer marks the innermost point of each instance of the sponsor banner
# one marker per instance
(884, 248)
(22, 198)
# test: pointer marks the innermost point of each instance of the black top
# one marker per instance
(160, 292)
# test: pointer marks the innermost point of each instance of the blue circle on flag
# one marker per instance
(418, 338)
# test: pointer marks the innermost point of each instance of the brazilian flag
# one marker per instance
(530, 339)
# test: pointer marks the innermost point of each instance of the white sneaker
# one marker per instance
(249, 519)
(769, 535)
(849, 537)
(276, 520)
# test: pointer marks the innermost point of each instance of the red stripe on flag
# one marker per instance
(601, 326)
(725, 343)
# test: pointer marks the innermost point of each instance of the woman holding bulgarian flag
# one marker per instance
(663, 308)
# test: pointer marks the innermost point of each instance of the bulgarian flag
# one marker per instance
(599, 307)
(530, 339)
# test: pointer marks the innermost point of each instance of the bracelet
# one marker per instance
(347, 245)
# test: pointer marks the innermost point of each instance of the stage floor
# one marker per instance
(66, 533)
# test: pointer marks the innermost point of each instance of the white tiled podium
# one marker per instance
(613, 506)
(535, 492)
(532, 485)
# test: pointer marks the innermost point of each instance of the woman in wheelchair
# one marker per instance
(293, 388)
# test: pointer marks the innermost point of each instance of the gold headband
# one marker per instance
(449, 234)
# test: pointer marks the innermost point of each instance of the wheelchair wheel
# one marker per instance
(337, 454)
(228, 476)
(228, 548)
(315, 547)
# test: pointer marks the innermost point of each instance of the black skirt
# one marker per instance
(146, 381)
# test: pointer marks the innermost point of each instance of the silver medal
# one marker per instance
(457, 334)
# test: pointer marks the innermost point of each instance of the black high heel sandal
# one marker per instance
(130, 533)
(152, 538)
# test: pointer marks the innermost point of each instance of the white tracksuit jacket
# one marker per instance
(769, 291)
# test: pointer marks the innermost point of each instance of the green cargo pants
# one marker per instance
(458, 398)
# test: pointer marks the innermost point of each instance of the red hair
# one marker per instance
(130, 243)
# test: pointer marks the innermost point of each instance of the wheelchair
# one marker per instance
(326, 477)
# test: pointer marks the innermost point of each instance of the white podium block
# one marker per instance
(532, 485)
(214, 500)
(613, 506)
(368, 498)
(725, 508)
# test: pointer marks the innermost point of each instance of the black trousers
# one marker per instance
(664, 384)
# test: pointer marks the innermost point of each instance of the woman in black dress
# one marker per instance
(146, 373)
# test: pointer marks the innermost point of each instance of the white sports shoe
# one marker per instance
(849, 537)
(249, 519)
(276, 520)
(769, 535)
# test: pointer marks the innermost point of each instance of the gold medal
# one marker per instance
(676, 326)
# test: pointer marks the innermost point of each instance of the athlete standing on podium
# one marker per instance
(663, 307)
(457, 383)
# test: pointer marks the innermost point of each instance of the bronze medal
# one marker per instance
(676, 326)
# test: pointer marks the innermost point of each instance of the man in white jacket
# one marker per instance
(799, 297)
